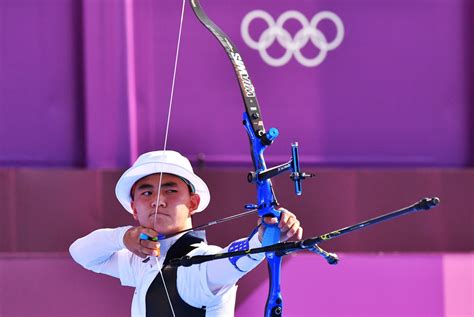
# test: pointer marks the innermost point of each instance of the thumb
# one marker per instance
(270, 220)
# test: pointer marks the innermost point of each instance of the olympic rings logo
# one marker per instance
(293, 44)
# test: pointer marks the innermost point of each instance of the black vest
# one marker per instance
(157, 304)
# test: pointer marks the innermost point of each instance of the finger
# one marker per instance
(284, 210)
(290, 222)
(284, 217)
(147, 251)
(153, 245)
(293, 229)
(287, 217)
(149, 232)
(287, 221)
(299, 234)
(150, 247)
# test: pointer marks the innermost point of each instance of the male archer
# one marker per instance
(162, 192)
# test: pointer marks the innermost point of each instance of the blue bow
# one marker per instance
(259, 139)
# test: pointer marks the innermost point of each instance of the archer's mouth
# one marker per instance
(153, 214)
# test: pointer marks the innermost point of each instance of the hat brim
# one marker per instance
(135, 173)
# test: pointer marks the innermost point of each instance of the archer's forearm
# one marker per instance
(96, 250)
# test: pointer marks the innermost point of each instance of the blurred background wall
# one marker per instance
(384, 119)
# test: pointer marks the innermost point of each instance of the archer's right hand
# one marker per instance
(142, 248)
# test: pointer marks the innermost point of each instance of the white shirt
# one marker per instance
(210, 284)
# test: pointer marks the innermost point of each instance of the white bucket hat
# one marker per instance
(170, 162)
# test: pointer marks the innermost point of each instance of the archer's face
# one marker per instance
(169, 213)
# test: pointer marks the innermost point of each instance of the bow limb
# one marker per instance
(246, 87)
(259, 141)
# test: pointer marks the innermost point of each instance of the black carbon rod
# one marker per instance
(285, 248)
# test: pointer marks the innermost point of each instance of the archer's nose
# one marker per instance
(160, 203)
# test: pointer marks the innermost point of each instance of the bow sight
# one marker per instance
(294, 165)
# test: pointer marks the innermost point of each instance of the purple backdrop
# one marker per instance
(41, 83)
(395, 92)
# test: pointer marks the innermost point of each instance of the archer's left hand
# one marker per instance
(289, 226)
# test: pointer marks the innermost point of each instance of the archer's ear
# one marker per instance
(194, 203)
(135, 214)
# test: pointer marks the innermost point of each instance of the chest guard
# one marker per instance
(157, 304)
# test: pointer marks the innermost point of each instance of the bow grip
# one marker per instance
(271, 234)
